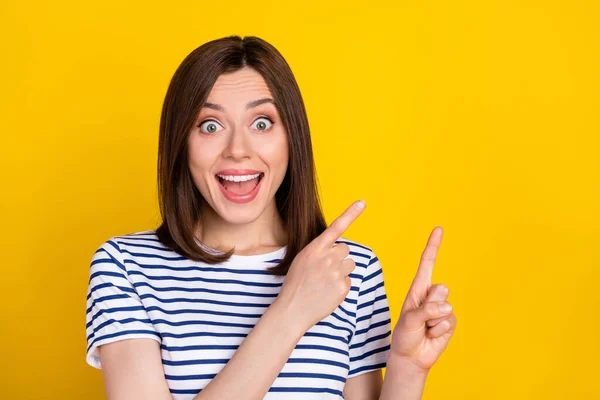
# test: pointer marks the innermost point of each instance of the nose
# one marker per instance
(238, 145)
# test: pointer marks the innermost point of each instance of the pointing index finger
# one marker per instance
(341, 224)
(422, 280)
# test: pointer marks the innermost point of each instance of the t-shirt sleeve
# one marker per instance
(370, 344)
(114, 309)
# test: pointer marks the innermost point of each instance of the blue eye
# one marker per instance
(210, 126)
(263, 123)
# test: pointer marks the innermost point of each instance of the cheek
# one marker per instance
(200, 158)
(276, 153)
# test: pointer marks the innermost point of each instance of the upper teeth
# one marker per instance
(238, 178)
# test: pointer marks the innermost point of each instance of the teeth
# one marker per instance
(238, 178)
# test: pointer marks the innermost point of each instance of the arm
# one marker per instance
(423, 330)
(248, 375)
(364, 387)
(259, 360)
(402, 380)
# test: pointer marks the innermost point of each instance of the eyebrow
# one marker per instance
(251, 104)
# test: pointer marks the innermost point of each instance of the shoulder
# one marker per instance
(363, 255)
(126, 242)
(355, 246)
(119, 247)
(147, 237)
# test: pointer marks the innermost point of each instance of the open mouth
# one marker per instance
(239, 185)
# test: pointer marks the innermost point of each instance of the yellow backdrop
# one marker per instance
(479, 116)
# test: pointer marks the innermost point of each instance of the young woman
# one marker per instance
(243, 292)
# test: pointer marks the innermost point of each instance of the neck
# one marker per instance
(265, 234)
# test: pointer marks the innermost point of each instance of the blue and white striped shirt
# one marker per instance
(201, 313)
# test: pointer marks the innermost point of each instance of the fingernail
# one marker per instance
(445, 308)
(360, 205)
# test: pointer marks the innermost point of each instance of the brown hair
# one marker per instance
(297, 198)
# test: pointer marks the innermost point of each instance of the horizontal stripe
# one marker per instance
(179, 268)
(370, 353)
(281, 375)
(385, 309)
(111, 321)
(146, 255)
(371, 339)
(137, 332)
(107, 298)
(272, 389)
(206, 301)
(374, 288)
(367, 368)
(107, 274)
(382, 297)
(198, 279)
(354, 253)
(352, 244)
(237, 335)
(181, 363)
(113, 310)
(227, 293)
(373, 326)
(207, 312)
(235, 347)
(304, 390)
(107, 285)
(373, 275)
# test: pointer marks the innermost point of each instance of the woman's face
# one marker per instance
(238, 148)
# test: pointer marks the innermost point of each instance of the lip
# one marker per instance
(237, 172)
(235, 198)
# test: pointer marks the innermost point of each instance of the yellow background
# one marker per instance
(479, 116)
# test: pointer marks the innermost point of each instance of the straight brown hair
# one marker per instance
(180, 201)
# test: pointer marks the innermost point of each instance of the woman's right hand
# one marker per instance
(317, 281)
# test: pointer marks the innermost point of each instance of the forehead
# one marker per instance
(245, 83)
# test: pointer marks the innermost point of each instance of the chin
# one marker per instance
(236, 214)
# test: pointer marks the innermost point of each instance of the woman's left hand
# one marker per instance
(426, 320)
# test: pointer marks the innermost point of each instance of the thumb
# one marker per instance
(437, 292)
(415, 319)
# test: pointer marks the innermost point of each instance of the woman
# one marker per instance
(243, 292)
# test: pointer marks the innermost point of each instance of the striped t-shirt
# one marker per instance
(201, 313)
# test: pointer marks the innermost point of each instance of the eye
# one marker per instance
(263, 123)
(209, 126)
